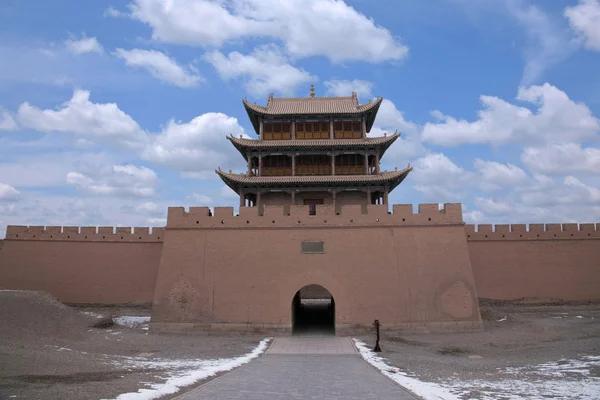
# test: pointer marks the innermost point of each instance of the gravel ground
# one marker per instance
(51, 351)
(525, 352)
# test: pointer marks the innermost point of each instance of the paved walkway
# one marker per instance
(303, 368)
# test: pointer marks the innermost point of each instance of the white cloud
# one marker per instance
(562, 159)
(336, 87)
(200, 199)
(226, 193)
(329, 28)
(557, 119)
(114, 13)
(103, 122)
(7, 122)
(408, 146)
(439, 179)
(584, 19)
(389, 117)
(8, 193)
(116, 180)
(83, 45)
(495, 176)
(160, 66)
(197, 147)
(264, 70)
(30, 169)
(548, 43)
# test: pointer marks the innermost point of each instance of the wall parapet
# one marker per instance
(298, 216)
(85, 233)
(551, 231)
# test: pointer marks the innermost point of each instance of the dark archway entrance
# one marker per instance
(313, 311)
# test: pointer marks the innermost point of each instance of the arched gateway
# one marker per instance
(313, 311)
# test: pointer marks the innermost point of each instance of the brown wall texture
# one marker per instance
(83, 267)
(546, 262)
(403, 268)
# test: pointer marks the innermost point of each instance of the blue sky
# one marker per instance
(112, 111)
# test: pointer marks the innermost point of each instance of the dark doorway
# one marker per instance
(312, 205)
(313, 311)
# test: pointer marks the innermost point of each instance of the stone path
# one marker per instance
(303, 368)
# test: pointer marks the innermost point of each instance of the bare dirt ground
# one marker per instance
(51, 351)
(526, 351)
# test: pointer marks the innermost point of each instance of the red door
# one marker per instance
(312, 205)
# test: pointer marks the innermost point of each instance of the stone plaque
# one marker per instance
(313, 247)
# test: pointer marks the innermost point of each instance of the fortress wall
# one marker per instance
(539, 261)
(83, 265)
(405, 268)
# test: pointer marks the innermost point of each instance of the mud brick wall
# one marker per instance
(102, 265)
(402, 267)
(539, 261)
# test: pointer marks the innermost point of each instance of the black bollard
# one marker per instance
(376, 325)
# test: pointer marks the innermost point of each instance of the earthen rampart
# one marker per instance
(404, 268)
(540, 262)
(103, 265)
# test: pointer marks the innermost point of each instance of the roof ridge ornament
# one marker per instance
(312, 91)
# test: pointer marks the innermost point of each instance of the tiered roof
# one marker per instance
(292, 106)
(381, 142)
(314, 106)
(237, 181)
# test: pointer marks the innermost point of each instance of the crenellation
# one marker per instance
(223, 212)
(452, 210)
(54, 229)
(552, 231)
(536, 228)
(139, 230)
(106, 230)
(429, 209)
(518, 228)
(502, 228)
(405, 210)
(248, 212)
(570, 227)
(284, 215)
(84, 233)
(587, 227)
(88, 230)
(553, 228)
(485, 228)
(377, 210)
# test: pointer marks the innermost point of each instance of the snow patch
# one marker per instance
(181, 373)
(562, 379)
(427, 390)
(132, 321)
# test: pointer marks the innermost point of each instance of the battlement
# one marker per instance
(85, 233)
(326, 216)
(532, 232)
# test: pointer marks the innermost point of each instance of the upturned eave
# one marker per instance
(386, 178)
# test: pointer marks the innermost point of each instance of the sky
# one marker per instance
(112, 111)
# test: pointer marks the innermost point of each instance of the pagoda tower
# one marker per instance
(313, 150)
